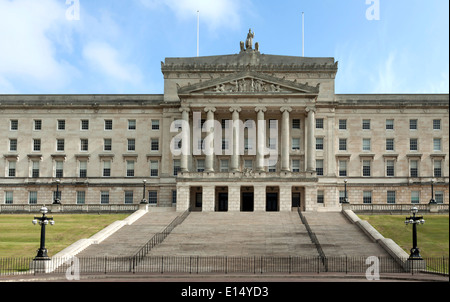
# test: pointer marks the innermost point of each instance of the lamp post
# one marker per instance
(414, 220)
(144, 201)
(432, 201)
(57, 200)
(345, 192)
(43, 221)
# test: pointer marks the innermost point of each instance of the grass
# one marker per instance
(20, 238)
(432, 237)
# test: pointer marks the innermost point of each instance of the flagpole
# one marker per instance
(303, 34)
(198, 32)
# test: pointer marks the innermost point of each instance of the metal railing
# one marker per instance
(69, 208)
(222, 265)
(396, 208)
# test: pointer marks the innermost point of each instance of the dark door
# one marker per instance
(295, 200)
(271, 202)
(247, 202)
(223, 202)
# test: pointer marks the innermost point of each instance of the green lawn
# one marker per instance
(20, 238)
(432, 237)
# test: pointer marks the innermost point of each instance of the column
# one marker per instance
(310, 148)
(185, 146)
(209, 143)
(285, 166)
(236, 132)
(260, 137)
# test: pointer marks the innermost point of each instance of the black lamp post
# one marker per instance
(144, 201)
(43, 221)
(432, 201)
(414, 220)
(57, 200)
(345, 192)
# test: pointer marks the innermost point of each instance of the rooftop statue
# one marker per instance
(248, 45)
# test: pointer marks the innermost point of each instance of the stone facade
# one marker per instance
(252, 106)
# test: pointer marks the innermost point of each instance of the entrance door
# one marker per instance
(271, 202)
(295, 200)
(223, 202)
(247, 201)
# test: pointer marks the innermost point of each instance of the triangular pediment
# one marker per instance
(248, 83)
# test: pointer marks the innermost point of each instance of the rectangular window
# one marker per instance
(439, 196)
(436, 144)
(248, 164)
(131, 124)
(14, 125)
(319, 123)
(342, 168)
(342, 196)
(319, 143)
(130, 168)
(177, 143)
(32, 197)
(108, 124)
(107, 144)
(131, 144)
(9, 197)
(415, 197)
(366, 167)
(390, 197)
(84, 144)
(296, 123)
(319, 167)
(107, 168)
(342, 124)
(154, 168)
(13, 145)
(224, 165)
(272, 166)
(273, 123)
(37, 125)
(174, 196)
(272, 143)
(61, 125)
(81, 197)
(225, 144)
(389, 144)
(437, 168)
(436, 124)
(342, 144)
(367, 196)
(154, 144)
(60, 144)
(295, 143)
(366, 124)
(200, 165)
(413, 146)
(155, 124)
(35, 169)
(128, 197)
(59, 171)
(413, 124)
(12, 169)
(414, 168)
(389, 124)
(320, 196)
(83, 169)
(84, 124)
(176, 167)
(390, 169)
(295, 165)
(37, 144)
(225, 123)
(152, 197)
(366, 144)
(104, 197)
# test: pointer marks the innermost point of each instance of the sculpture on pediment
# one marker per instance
(248, 44)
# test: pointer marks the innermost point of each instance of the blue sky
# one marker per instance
(116, 46)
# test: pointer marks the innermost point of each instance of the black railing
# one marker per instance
(222, 265)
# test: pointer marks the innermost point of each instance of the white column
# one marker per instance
(285, 166)
(185, 139)
(310, 152)
(209, 157)
(236, 132)
(261, 137)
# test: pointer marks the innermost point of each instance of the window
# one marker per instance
(81, 197)
(415, 197)
(174, 196)
(154, 144)
(59, 171)
(104, 197)
(177, 143)
(83, 169)
(224, 165)
(37, 144)
(366, 124)
(84, 124)
(436, 144)
(367, 196)
(106, 168)
(437, 168)
(176, 167)
(272, 165)
(108, 124)
(12, 169)
(296, 123)
(128, 197)
(439, 196)
(249, 124)
(13, 144)
(320, 196)
(390, 170)
(295, 165)
(436, 124)
(319, 123)
(35, 169)
(61, 125)
(225, 144)
(414, 168)
(319, 143)
(295, 143)
(273, 124)
(342, 196)
(14, 125)
(107, 144)
(248, 164)
(200, 165)
(342, 124)
(131, 144)
(413, 146)
(366, 167)
(32, 197)
(342, 144)
(130, 168)
(390, 197)
(37, 125)
(389, 124)
(57, 195)
(154, 168)
(225, 124)
(152, 197)
(272, 143)
(155, 124)
(366, 144)
(84, 144)
(342, 168)
(389, 144)
(413, 124)
(248, 144)
(9, 197)
(319, 167)
(131, 124)
(60, 144)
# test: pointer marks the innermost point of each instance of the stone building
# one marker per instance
(242, 132)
